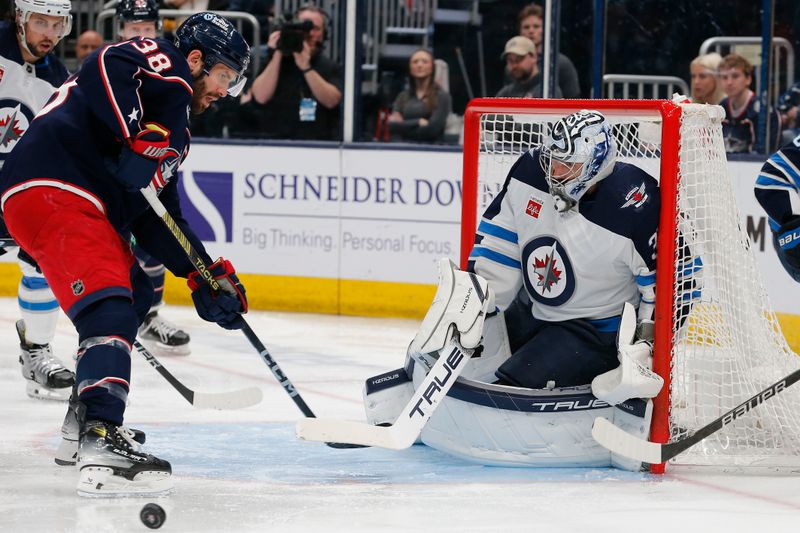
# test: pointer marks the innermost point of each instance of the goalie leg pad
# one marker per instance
(386, 395)
(633, 416)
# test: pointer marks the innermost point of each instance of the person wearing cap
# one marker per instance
(520, 58)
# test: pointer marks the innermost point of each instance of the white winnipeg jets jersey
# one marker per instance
(22, 95)
(584, 263)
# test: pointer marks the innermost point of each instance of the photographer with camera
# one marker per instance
(297, 94)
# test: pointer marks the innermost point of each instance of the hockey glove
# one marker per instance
(224, 306)
(140, 159)
(789, 242)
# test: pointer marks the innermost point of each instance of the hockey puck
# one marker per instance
(153, 515)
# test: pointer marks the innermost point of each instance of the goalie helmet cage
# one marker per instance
(717, 340)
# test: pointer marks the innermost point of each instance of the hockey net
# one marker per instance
(717, 340)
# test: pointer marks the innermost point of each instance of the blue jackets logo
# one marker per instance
(207, 204)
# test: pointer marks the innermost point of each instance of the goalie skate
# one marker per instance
(162, 337)
(46, 377)
(112, 464)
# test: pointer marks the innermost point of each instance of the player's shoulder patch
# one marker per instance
(630, 188)
(627, 201)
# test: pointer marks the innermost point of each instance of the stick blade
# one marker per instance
(350, 432)
(223, 401)
(623, 443)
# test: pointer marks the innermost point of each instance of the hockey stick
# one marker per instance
(412, 419)
(623, 443)
(237, 399)
(152, 198)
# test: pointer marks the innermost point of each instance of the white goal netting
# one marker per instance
(726, 343)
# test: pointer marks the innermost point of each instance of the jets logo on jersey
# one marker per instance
(636, 197)
(15, 118)
(547, 272)
(534, 207)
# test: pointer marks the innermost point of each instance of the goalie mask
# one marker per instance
(578, 152)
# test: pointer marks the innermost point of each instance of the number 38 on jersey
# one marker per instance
(158, 61)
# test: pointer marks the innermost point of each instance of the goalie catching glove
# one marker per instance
(140, 159)
(225, 306)
(633, 378)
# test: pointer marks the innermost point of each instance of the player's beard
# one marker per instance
(199, 94)
(37, 51)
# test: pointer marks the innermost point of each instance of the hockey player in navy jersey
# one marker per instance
(31, 72)
(119, 125)
(139, 18)
(778, 191)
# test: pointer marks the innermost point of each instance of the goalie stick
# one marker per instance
(618, 441)
(151, 196)
(412, 419)
(237, 399)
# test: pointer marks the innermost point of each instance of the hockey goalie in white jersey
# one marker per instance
(567, 244)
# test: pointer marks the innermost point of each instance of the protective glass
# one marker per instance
(59, 27)
(226, 77)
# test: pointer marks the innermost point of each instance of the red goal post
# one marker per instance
(705, 351)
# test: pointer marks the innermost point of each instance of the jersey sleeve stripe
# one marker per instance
(496, 231)
(110, 92)
(495, 256)
(764, 181)
(791, 172)
(648, 279)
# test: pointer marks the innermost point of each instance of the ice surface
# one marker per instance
(245, 470)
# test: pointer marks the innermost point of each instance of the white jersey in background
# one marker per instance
(21, 98)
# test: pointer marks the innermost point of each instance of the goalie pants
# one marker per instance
(561, 354)
(93, 274)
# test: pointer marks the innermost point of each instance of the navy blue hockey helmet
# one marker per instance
(219, 42)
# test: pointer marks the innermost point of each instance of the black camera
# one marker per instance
(293, 34)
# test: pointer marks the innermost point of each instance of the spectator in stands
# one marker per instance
(88, 42)
(531, 25)
(740, 126)
(787, 107)
(419, 113)
(297, 94)
(521, 64)
(706, 86)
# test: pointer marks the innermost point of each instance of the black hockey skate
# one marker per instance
(113, 464)
(162, 337)
(46, 377)
(67, 452)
